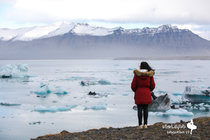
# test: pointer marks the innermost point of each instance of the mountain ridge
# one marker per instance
(85, 41)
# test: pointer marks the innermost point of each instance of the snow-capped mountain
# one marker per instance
(76, 40)
(60, 28)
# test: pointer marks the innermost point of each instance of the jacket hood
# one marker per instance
(139, 73)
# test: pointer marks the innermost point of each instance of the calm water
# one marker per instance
(49, 97)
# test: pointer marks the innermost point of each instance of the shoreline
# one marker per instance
(159, 130)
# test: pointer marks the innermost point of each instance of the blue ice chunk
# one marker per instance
(60, 91)
(104, 82)
(177, 94)
(43, 90)
(53, 109)
(96, 107)
(131, 68)
(125, 94)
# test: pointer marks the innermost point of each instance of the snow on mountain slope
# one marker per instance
(46, 31)
(8, 34)
(60, 28)
(85, 29)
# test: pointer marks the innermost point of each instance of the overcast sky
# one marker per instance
(190, 14)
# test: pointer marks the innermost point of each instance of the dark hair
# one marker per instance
(145, 65)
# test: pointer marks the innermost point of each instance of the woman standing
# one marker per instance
(142, 84)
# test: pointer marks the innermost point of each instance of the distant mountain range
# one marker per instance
(75, 40)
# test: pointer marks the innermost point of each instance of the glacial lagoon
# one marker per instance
(39, 97)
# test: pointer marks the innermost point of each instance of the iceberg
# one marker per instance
(197, 95)
(13, 70)
(43, 90)
(161, 103)
(53, 109)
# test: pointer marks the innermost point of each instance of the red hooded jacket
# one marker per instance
(142, 84)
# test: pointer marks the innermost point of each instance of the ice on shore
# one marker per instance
(53, 109)
(14, 70)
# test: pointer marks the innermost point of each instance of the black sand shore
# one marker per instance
(157, 131)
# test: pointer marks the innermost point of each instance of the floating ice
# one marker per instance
(162, 103)
(75, 78)
(104, 82)
(177, 94)
(173, 112)
(185, 81)
(87, 83)
(43, 90)
(100, 82)
(131, 68)
(60, 91)
(96, 107)
(97, 95)
(178, 112)
(12, 70)
(197, 95)
(34, 123)
(9, 104)
(52, 109)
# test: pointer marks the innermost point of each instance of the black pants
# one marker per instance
(142, 107)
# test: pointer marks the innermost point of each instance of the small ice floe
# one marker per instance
(34, 123)
(173, 112)
(87, 83)
(96, 107)
(104, 82)
(14, 71)
(178, 112)
(53, 109)
(9, 104)
(97, 95)
(125, 94)
(73, 78)
(59, 91)
(177, 94)
(99, 82)
(131, 68)
(43, 90)
(185, 81)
